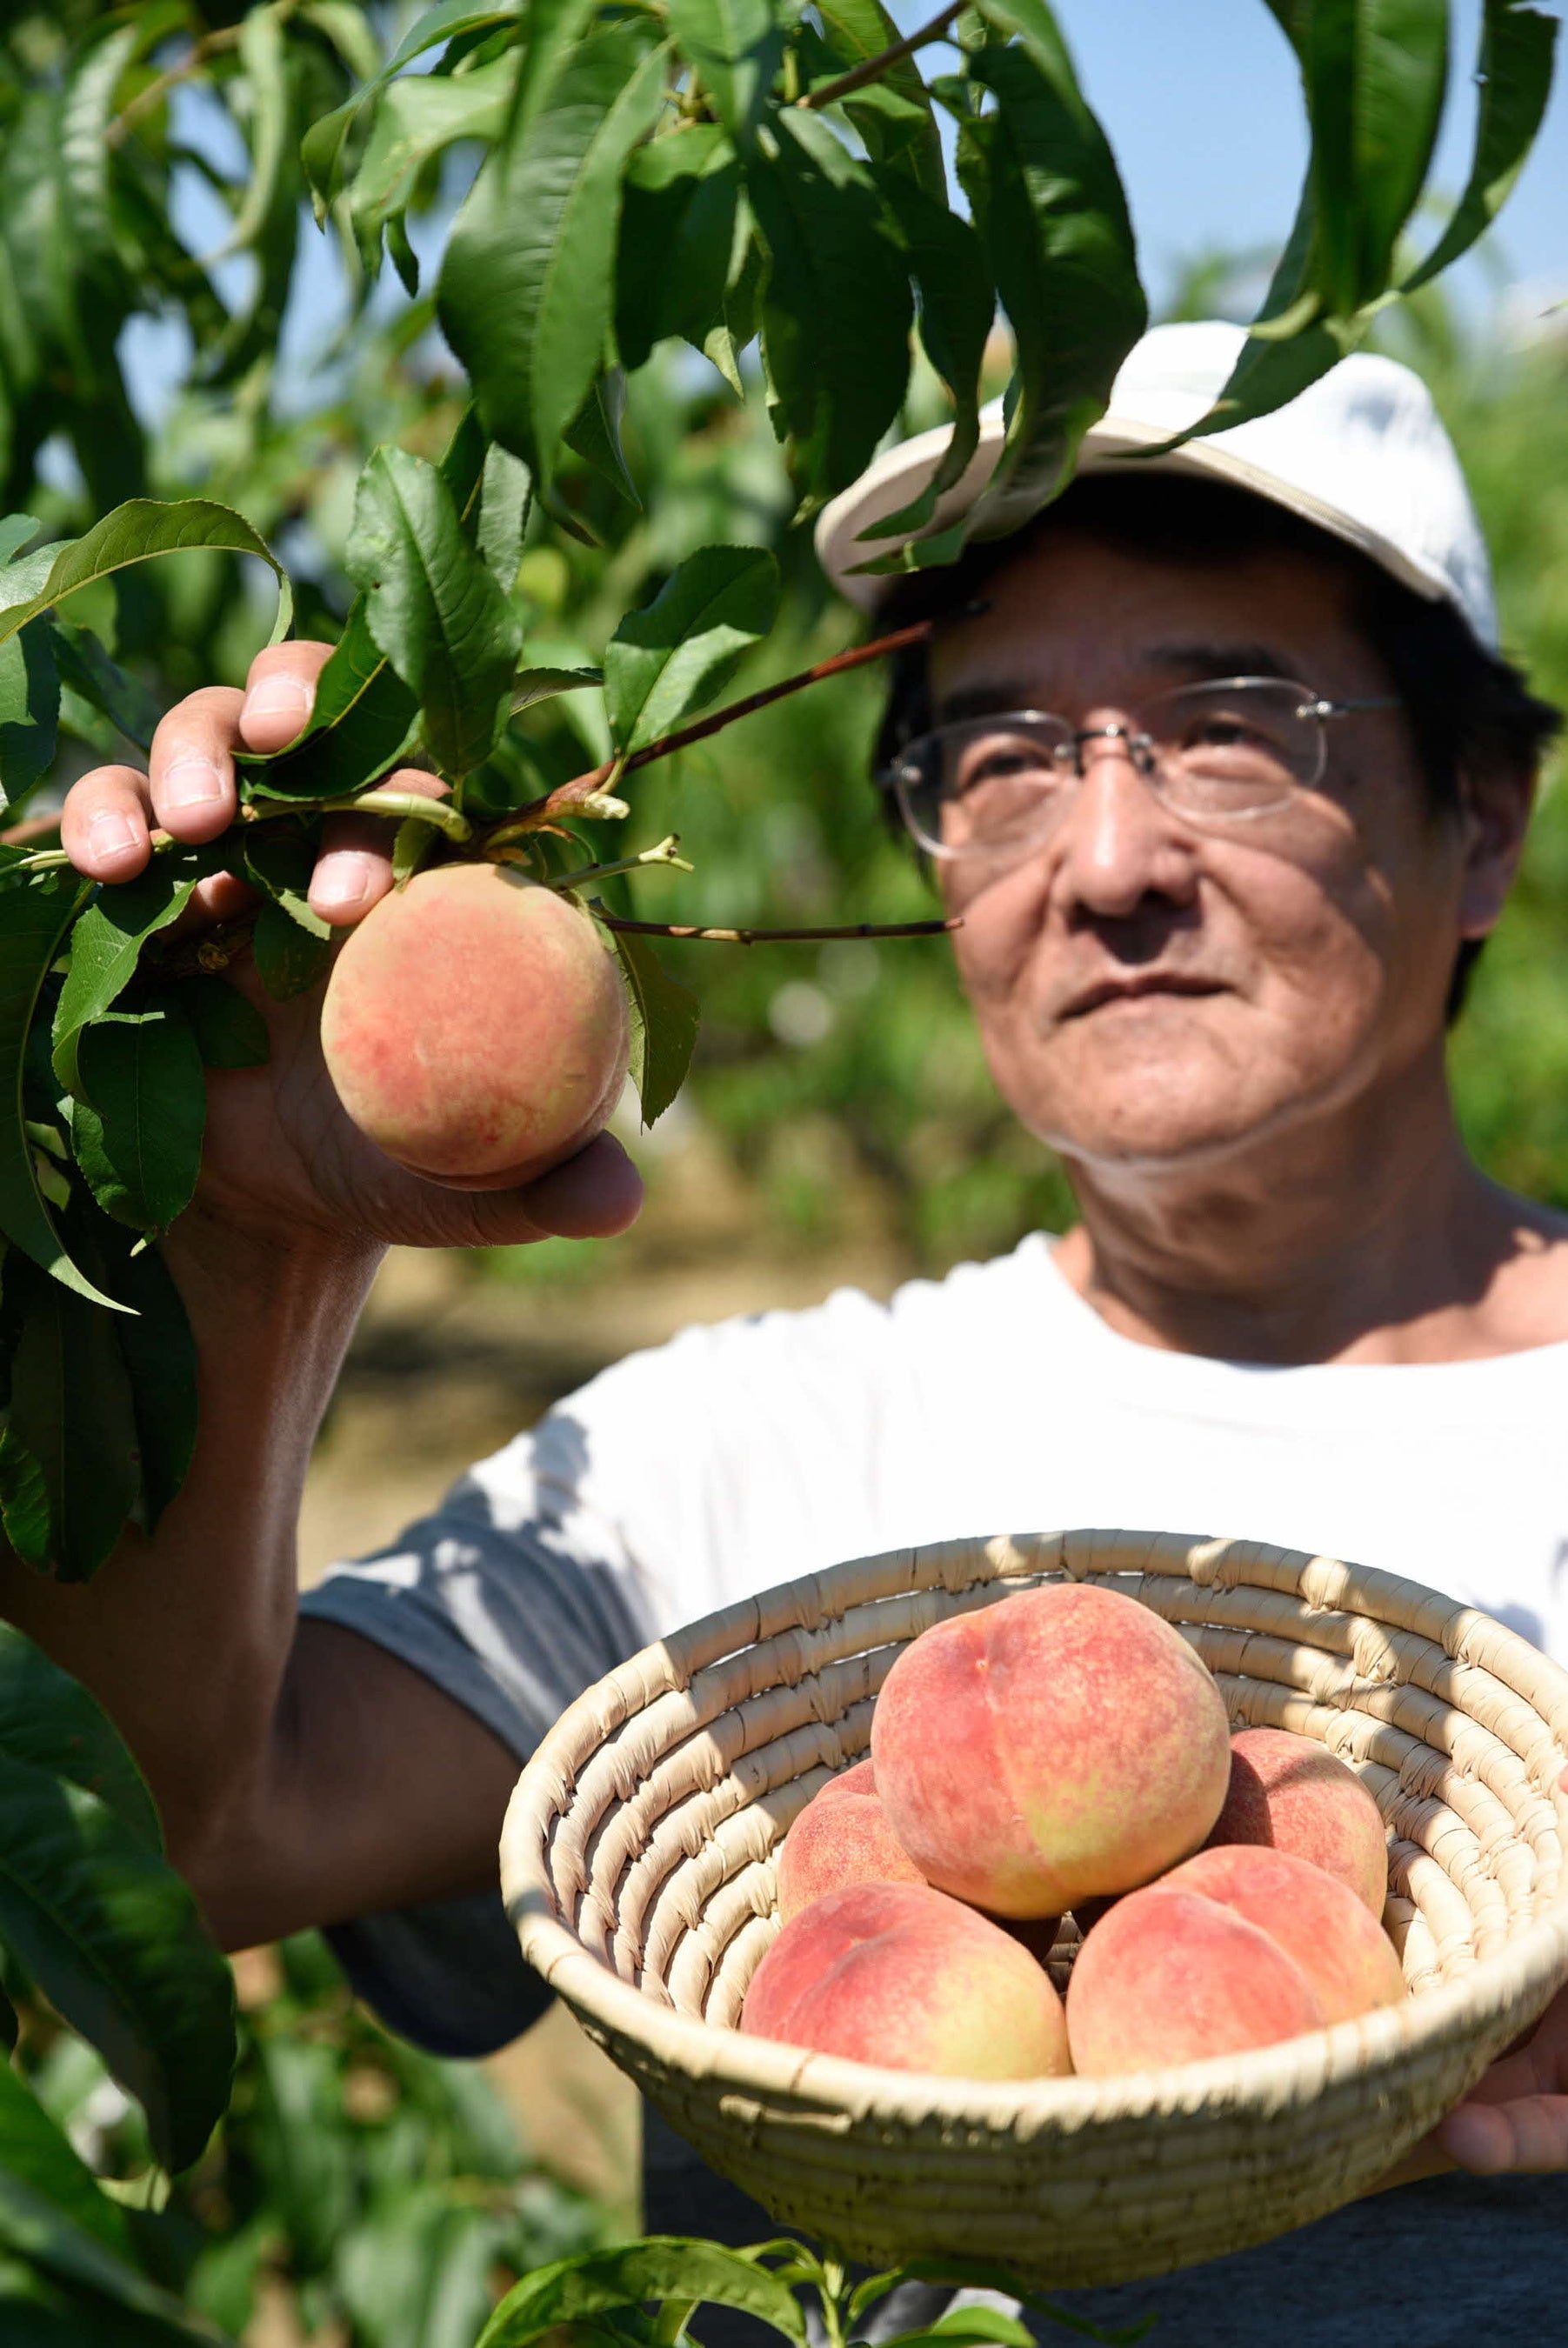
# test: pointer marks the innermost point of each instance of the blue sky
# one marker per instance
(1203, 106)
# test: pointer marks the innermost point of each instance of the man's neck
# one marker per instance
(1382, 1245)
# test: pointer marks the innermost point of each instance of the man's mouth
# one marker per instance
(1134, 986)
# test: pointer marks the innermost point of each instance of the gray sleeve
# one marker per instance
(511, 1598)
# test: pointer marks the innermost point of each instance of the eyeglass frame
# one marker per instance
(1140, 749)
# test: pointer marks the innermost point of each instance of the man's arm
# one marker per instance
(303, 1775)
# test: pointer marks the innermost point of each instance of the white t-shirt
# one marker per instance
(993, 1401)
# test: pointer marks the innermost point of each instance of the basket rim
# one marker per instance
(1292, 2072)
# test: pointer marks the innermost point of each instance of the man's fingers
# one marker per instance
(595, 1196)
(279, 694)
(354, 870)
(105, 825)
(192, 766)
(1530, 2135)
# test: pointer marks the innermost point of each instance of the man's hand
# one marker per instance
(281, 1158)
(1514, 2121)
(1516, 2117)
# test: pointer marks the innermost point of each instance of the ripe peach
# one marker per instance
(842, 1836)
(1316, 1920)
(898, 1974)
(1293, 1793)
(475, 1027)
(1062, 1742)
(1169, 1976)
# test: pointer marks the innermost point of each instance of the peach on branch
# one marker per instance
(1062, 1742)
(898, 1974)
(1294, 1794)
(476, 1028)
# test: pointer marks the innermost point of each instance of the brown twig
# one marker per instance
(830, 92)
(773, 937)
(581, 787)
(147, 101)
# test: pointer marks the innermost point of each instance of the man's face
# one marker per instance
(1151, 992)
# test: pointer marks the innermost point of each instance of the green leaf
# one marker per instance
(594, 434)
(526, 285)
(836, 310)
(32, 2149)
(667, 659)
(415, 119)
(1274, 366)
(1375, 73)
(106, 947)
(660, 2267)
(736, 48)
(532, 684)
(957, 308)
(1050, 213)
(55, 2219)
(30, 711)
(134, 532)
(325, 148)
(265, 58)
(69, 1455)
(112, 1937)
(742, 305)
(87, 668)
(893, 114)
(48, 1719)
(289, 960)
(364, 719)
(664, 1023)
(433, 606)
(15, 530)
(672, 264)
(506, 495)
(280, 859)
(1514, 69)
(411, 843)
(137, 1131)
(230, 1031)
(35, 912)
(160, 1354)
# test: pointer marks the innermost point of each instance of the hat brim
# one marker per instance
(899, 476)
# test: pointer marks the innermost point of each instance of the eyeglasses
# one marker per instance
(1217, 753)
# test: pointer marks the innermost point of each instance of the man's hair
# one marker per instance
(1468, 711)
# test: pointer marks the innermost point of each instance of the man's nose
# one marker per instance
(1119, 842)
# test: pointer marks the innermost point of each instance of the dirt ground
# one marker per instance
(449, 1364)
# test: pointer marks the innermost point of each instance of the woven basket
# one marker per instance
(637, 1864)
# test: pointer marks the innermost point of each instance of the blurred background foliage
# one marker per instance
(358, 2193)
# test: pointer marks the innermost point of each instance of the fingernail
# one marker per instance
(341, 882)
(192, 782)
(110, 833)
(278, 696)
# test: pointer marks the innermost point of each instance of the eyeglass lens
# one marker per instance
(1213, 751)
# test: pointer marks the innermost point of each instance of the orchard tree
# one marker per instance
(762, 181)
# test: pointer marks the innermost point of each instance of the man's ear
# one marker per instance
(1497, 801)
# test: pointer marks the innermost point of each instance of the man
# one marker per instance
(1221, 770)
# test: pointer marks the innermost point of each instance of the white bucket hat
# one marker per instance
(1362, 453)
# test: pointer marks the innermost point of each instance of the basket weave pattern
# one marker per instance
(637, 1863)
